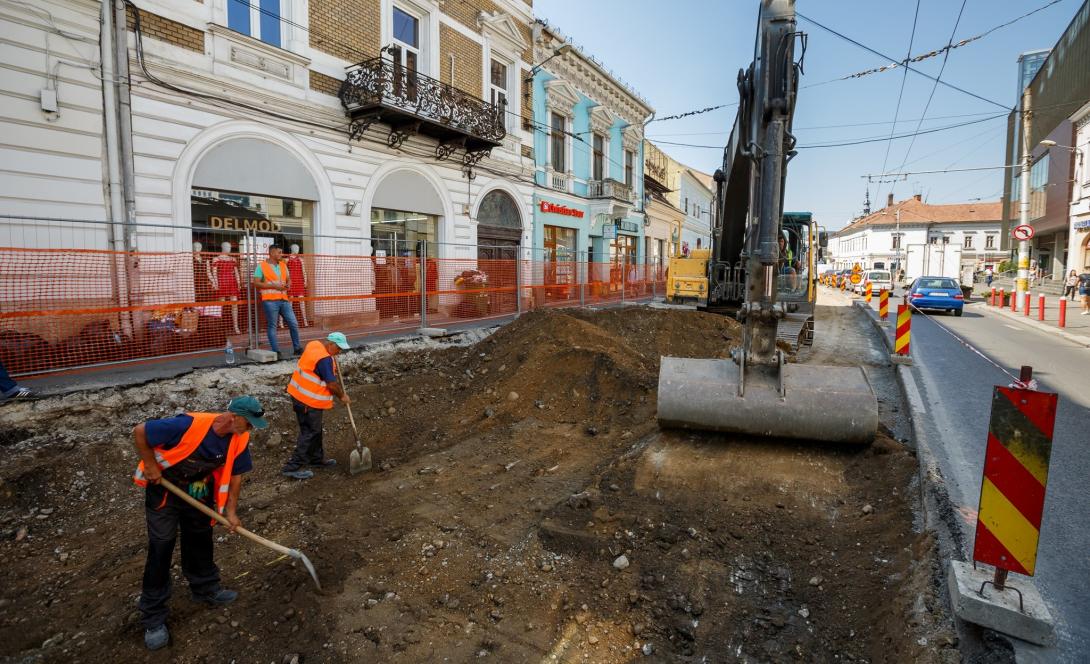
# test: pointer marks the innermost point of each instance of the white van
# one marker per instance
(878, 279)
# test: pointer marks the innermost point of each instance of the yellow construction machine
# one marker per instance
(754, 277)
(687, 277)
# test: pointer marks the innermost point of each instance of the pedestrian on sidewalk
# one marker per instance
(312, 387)
(9, 389)
(988, 277)
(272, 279)
(1084, 290)
(1070, 285)
(204, 454)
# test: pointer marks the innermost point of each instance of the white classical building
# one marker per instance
(880, 240)
(697, 193)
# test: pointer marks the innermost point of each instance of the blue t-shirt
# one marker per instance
(324, 369)
(167, 433)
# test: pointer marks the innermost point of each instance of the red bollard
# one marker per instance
(1063, 312)
(1014, 301)
(993, 297)
(1040, 307)
(1025, 306)
(1002, 296)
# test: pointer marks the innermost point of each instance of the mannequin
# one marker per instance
(225, 279)
(202, 275)
(297, 270)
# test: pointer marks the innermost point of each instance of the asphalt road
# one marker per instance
(957, 386)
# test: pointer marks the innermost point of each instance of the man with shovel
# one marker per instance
(205, 454)
(312, 387)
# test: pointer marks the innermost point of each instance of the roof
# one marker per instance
(915, 211)
(703, 178)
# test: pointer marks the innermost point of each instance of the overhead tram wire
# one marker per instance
(900, 97)
(907, 67)
(934, 86)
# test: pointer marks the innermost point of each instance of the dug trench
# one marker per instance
(524, 506)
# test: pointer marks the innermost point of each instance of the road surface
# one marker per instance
(957, 387)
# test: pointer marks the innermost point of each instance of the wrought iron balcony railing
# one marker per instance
(609, 188)
(378, 90)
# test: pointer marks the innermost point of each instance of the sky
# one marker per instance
(684, 55)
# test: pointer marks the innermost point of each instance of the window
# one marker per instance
(934, 239)
(687, 205)
(968, 242)
(989, 242)
(405, 52)
(946, 239)
(1038, 185)
(896, 241)
(629, 158)
(499, 85)
(259, 19)
(599, 157)
(559, 158)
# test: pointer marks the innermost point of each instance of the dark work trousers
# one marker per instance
(165, 512)
(308, 448)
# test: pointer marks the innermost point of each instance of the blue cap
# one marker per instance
(250, 408)
(339, 339)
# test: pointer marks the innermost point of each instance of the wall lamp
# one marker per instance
(560, 50)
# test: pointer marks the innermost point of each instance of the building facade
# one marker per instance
(661, 176)
(881, 240)
(588, 161)
(1059, 87)
(696, 194)
(1078, 246)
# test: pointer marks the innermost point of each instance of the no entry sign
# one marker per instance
(1022, 232)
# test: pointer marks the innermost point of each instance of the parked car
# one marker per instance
(879, 279)
(938, 293)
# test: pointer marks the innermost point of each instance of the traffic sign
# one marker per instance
(856, 277)
(1023, 232)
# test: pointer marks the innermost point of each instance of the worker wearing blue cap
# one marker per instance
(313, 385)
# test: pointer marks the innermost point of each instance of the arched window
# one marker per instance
(498, 209)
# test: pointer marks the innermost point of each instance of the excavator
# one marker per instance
(757, 392)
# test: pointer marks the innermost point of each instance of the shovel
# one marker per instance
(360, 459)
(294, 553)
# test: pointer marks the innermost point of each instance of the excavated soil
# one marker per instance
(511, 476)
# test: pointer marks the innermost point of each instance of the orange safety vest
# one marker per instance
(306, 385)
(191, 439)
(269, 275)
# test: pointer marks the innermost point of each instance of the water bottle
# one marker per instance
(229, 352)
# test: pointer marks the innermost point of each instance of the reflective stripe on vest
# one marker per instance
(270, 276)
(305, 385)
(189, 443)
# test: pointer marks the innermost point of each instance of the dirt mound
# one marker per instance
(510, 475)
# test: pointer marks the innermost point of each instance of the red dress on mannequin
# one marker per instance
(295, 271)
(226, 279)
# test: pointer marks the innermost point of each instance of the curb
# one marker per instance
(1044, 327)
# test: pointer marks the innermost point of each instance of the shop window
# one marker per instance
(397, 233)
(220, 217)
(260, 19)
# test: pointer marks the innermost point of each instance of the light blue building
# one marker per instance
(588, 162)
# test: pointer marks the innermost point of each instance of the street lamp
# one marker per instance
(560, 50)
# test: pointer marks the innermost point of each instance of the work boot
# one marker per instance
(298, 474)
(221, 597)
(327, 463)
(156, 637)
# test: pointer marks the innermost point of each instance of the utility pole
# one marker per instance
(898, 234)
(1022, 285)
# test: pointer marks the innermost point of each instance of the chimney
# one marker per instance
(889, 201)
(918, 197)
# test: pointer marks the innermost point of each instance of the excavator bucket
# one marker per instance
(805, 402)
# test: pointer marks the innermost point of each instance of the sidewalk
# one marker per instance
(1076, 329)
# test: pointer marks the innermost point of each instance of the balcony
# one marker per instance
(558, 181)
(609, 188)
(410, 103)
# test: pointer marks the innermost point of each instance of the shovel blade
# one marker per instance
(359, 461)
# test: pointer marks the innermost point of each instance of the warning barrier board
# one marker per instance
(1012, 494)
(904, 330)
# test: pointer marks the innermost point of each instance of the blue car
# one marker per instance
(938, 293)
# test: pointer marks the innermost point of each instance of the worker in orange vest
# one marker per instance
(272, 279)
(312, 387)
(206, 455)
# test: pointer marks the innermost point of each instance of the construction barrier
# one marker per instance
(904, 329)
(883, 304)
(1012, 493)
(867, 288)
(1062, 323)
(66, 308)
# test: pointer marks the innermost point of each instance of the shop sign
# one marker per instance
(244, 224)
(553, 208)
(609, 231)
(630, 227)
(1082, 225)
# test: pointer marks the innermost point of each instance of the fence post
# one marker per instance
(624, 269)
(422, 257)
(582, 281)
(518, 281)
(251, 292)
(1063, 312)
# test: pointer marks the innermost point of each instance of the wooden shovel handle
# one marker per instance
(222, 519)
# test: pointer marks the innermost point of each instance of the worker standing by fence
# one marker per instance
(272, 280)
(9, 389)
(206, 455)
(312, 387)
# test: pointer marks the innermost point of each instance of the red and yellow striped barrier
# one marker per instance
(1012, 495)
(867, 289)
(883, 304)
(904, 325)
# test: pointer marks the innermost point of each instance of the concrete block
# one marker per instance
(434, 332)
(901, 359)
(261, 355)
(999, 610)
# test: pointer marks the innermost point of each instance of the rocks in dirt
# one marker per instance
(621, 562)
(868, 509)
(290, 658)
(53, 640)
(512, 396)
(489, 413)
(21, 533)
(804, 612)
(579, 501)
(592, 431)
(647, 649)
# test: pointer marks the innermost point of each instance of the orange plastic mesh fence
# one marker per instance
(67, 308)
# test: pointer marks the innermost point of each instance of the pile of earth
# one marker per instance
(510, 476)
